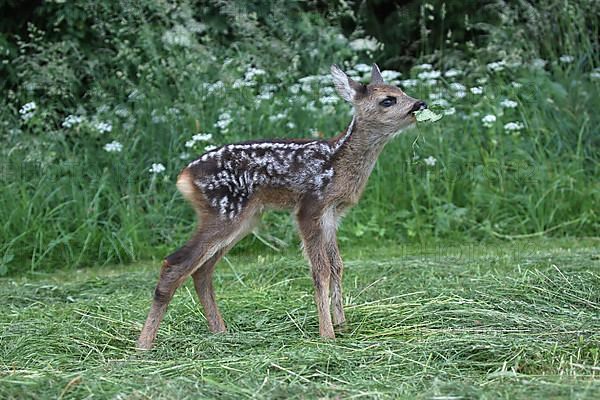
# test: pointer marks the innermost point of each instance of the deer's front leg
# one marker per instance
(337, 271)
(315, 247)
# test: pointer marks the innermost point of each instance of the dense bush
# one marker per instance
(103, 100)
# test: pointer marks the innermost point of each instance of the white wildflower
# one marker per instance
(157, 118)
(27, 110)
(113, 147)
(443, 103)
(452, 72)
(538, 63)
(135, 95)
(197, 27)
(214, 87)
(122, 112)
(430, 161)
(516, 85)
(31, 106)
(482, 80)
(389, 75)
(496, 66)
(308, 79)
(434, 74)
(178, 36)
(265, 96)
(409, 83)
(423, 66)
(202, 137)
(307, 88)
(71, 121)
(364, 44)
(210, 147)
(460, 94)
(450, 111)
(199, 137)
(595, 75)
(277, 117)
(252, 72)
(290, 125)
(184, 156)
(157, 168)
(506, 103)
(458, 86)
(513, 126)
(476, 90)
(362, 68)
(325, 79)
(103, 127)
(488, 120)
(329, 99)
(565, 58)
(223, 122)
(328, 109)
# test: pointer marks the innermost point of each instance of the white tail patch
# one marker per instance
(185, 185)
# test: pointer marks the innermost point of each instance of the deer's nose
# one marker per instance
(419, 105)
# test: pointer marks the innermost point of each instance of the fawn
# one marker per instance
(229, 188)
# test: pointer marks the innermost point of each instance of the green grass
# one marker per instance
(506, 320)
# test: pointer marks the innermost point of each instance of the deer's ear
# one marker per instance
(376, 77)
(349, 89)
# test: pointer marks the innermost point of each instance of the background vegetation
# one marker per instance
(102, 101)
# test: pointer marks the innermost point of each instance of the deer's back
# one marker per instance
(279, 172)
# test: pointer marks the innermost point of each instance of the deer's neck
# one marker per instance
(356, 151)
(359, 144)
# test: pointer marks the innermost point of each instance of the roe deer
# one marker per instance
(318, 179)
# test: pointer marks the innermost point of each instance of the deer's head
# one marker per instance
(382, 109)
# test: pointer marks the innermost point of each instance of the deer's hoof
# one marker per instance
(142, 346)
(328, 335)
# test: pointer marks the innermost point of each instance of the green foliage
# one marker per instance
(99, 92)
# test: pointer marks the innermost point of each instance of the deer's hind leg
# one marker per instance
(203, 281)
(209, 239)
(206, 293)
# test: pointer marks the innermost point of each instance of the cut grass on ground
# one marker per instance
(515, 320)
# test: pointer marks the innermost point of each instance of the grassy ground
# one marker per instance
(512, 320)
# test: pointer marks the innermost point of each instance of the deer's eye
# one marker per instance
(388, 102)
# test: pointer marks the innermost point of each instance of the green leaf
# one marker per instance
(427, 115)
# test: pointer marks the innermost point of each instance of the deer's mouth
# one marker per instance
(419, 105)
